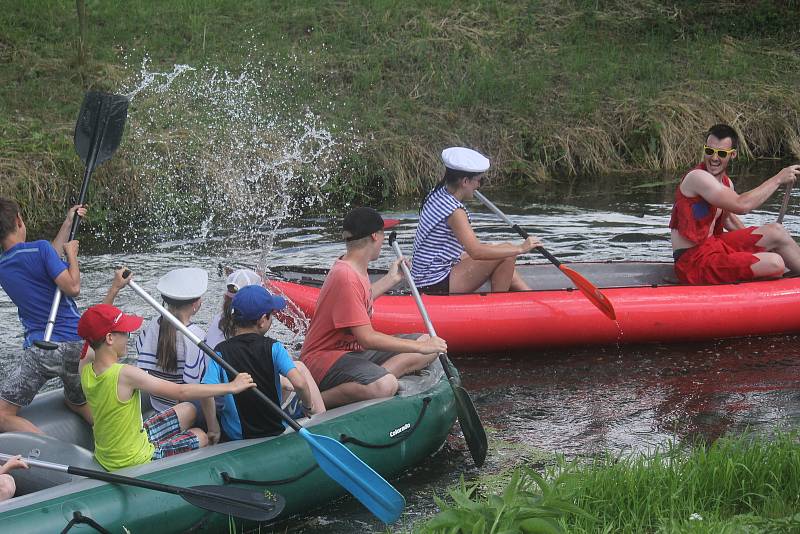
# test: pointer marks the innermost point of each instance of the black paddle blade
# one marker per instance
(471, 426)
(100, 125)
(242, 503)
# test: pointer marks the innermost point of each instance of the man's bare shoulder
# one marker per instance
(697, 181)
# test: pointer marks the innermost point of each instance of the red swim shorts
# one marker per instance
(720, 259)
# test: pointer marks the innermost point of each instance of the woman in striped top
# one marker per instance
(448, 256)
(162, 351)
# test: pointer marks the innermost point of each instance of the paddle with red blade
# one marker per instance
(591, 292)
(471, 425)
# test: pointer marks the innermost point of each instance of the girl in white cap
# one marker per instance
(162, 351)
(222, 327)
(448, 256)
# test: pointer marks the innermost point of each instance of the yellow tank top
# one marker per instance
(119, 437)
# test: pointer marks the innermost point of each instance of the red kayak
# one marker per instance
(650, 306)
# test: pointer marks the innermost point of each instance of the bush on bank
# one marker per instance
(736, 484)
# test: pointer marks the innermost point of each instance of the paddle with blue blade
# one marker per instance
(588, 289)
(336, 460)
(228, 500)
(98, 133)
(471, 425)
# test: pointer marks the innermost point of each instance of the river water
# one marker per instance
(573, 401)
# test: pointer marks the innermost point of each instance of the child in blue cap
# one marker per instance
(265, 359)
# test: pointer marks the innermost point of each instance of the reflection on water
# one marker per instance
(635, 398)
(574, 401)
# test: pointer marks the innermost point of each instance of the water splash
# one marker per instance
(148, 78)
(225, 156)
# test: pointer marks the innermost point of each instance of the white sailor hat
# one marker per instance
(183, 284)
(459, 158)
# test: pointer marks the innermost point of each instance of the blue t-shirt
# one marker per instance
(281, 362)
(27, 274)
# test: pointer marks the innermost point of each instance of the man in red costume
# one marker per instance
(709, 242)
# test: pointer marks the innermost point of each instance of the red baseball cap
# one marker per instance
(102, 319)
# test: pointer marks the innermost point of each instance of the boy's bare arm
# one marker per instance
(69, 281)
(14, 463)
(131, 378)
(116, 285)
(210, 414)
(63, 233)
(369, 338)
(301, 387)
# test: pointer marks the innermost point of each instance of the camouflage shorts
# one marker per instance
(37, 366)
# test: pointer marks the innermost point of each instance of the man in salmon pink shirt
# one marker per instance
(349, 359)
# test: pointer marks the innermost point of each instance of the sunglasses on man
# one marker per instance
(722, 153)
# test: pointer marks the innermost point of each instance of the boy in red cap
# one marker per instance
(112, 391)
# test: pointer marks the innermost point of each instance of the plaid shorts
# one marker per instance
(37, 366)
(164, 432)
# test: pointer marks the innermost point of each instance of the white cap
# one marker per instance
(183, 284)
(243, 278)
(464, 159)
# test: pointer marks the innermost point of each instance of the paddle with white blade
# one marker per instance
(336, 460)
(588, 289)
(471, 425)
(252, 505)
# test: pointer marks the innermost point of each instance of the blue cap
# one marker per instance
(251, 302)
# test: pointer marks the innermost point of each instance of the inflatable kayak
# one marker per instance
(650, 305)
(390, 435)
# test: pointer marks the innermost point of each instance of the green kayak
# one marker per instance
(390, 435)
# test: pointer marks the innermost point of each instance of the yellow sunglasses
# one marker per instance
(721, 152)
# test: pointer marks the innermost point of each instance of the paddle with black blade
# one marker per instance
(98, 133)
(594, 295)
(242, 503)
(471, 425)
(336, 460)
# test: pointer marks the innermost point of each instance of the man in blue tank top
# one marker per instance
(30, 274)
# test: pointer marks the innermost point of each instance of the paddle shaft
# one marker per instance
(210, 352)
(129, 481)
(414, 291)
(594, 295)
(101, 121)
(98, 475)
(468, 418)
(517, 228)
(785, 204)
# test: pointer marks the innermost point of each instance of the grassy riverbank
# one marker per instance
(737, 485)
(546, 88)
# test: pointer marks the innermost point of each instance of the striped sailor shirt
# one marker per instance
(436, 249)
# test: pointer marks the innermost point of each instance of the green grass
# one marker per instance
(737, 484)
(544, 87)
